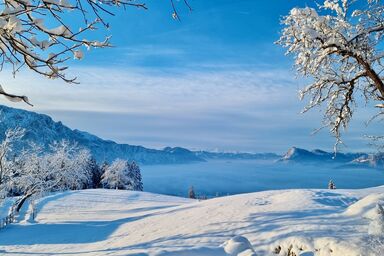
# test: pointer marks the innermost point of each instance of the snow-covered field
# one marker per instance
(111, 222)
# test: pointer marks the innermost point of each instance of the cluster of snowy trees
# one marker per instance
(64, 166)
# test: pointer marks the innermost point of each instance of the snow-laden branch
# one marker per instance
(44, 34)
(339, 47)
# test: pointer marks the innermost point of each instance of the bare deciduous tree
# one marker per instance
(339, 46)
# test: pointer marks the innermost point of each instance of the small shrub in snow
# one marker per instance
(376, 227)
(191, 193)
(292, 250)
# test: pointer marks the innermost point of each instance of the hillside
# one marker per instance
(110, 222)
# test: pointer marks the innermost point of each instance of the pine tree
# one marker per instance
(96, 172)
(331, 185)
(191, 193)
(134, 175)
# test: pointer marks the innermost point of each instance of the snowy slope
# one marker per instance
(109, 222)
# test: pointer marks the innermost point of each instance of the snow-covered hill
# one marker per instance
(110, 222)
(302, 155)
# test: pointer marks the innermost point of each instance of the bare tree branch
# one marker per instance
(25, 40)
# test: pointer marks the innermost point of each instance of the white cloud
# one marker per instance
(228, 109)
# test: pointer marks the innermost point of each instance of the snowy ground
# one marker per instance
(110, 222)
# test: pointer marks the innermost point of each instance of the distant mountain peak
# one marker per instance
(302, 155)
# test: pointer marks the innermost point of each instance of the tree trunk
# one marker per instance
(373, 76)
(22, 201)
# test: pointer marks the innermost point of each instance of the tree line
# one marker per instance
(34, 171)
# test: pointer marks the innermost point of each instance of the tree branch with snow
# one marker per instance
(339, 47)
(42, 35)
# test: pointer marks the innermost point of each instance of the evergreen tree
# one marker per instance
(134, 175)
(191, 193)
(96, 172)
(331, 185)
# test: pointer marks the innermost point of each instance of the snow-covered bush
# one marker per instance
(376, 226)
(191, 193)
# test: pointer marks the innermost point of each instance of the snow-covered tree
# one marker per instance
(96, 172)
(7, 166)
(115, 176)
(32, 172)
(122, 175)
(43, 35)
(331, 185)
(68, 167)
(339, 46)
(134, 174)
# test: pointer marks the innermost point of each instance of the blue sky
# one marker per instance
(215, 80)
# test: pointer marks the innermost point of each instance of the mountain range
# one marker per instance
(43, 130)
(300, 155)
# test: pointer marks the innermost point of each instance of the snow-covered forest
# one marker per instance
(31, 172)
